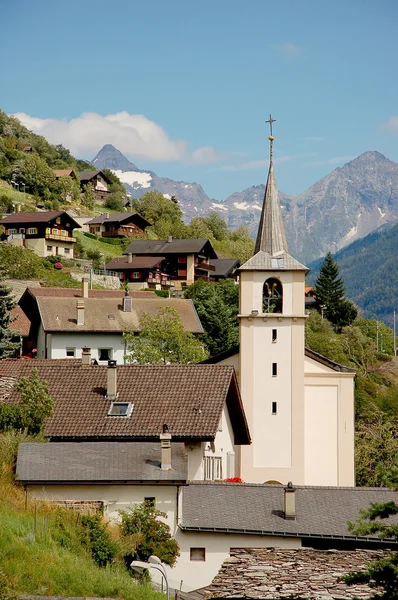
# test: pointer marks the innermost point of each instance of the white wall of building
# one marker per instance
(59, 343)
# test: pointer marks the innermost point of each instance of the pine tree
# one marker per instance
(8, 348)
(329, 291)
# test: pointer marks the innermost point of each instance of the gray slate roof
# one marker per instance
(271, 236)
(263, 261)
(117, 218)
(164, 247)
(320, 511)
(303, 574)
(70, 462)
(224, 266)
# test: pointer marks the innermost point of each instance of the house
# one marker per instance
(66, 173)
(224, 268)
(147, 271)
(99, 183)
(47, 233)
(66, 320)
(123, 224)
(186, 260)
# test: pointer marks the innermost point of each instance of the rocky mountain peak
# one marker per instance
(110, 157)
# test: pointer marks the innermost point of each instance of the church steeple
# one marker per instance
(271, 236)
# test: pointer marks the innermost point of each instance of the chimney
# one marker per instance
(80, 312)
(290, 502)
(86, 357)
(129, 257)
(127, 303)
(165, 449)
(170, 239)
(111, 388)
(107, 215)
(84, 287)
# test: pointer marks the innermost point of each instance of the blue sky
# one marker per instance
(184, 88)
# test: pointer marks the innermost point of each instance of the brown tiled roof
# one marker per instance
(137, 262)
(295, 574)
(37, 217)
(189, 398)
(88, 462)
(21, 323)
(63, 172)
(106, 314)
(320, 511)
(164, 247)
(76, 293)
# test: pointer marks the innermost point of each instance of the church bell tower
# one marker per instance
(271, 325)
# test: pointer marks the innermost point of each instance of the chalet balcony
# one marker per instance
(122, 232)
(204, 266)
(60, 238)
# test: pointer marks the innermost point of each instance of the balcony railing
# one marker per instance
(60, 238)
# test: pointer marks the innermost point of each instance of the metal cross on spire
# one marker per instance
(271, 137)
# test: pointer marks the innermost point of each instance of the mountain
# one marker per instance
(346, 205)
(369, 267)
(110, 157)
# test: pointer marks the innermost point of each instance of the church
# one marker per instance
(299, 405)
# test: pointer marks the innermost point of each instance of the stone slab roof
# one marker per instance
(189, 398)
(164, 247)
(304, 574)
(106, 314)
(263, 261)
(320, 511)
(88, 462)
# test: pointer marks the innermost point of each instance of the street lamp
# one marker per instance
(154, 562)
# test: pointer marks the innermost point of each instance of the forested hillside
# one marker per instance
(370, 271)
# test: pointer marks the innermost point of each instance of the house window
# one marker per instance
(274, 408)
(274, 369)
(198, 554)
(64, 232)
(136, 275)
(151, 500)
(182, 273)
(274, 335)
(48, 231)
(212, 468)
(58, 220)
(182, 259)
(71, 352)
(11, 231)
(55, 231)
(105, 354)
(66, 250)
(120, 409)
(49, 248)
(32, 230)
(22, 230)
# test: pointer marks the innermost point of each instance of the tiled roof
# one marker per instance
(33, 217)
(63, 172)
(164, 247)
(224, 266)
(76, 293)
(189, 398)
(70, 462)
(138, 262)
(106, 314)
(320, 511)
(263, 261)
(21, 323)
(117, 218)
(295, 574)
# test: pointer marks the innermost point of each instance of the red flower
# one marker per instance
(234, 480)
(58, 265)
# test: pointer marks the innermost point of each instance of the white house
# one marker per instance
(66, 320)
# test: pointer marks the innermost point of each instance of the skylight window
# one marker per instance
(120, 409)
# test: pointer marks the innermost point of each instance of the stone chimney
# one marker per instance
(170, 239)
(86, 357)
(165, 449)
(111, 387)
(84, 287)
(129, 258)
(80, 312)
(290, 502)
(127, 303)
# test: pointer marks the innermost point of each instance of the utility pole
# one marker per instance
(377, 336)
(395, 339)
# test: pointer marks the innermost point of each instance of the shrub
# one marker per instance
(112, 241)
(98, 539)
(90, 235)
(162, 293)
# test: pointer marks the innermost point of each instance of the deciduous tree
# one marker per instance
(8, 347)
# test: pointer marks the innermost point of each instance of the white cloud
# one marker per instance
(330, 161)
(392, 124)
(291, 49)
(135, 135)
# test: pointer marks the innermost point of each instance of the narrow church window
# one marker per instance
(274, 369)
(274, 335)
(272, 296)
(274, 408)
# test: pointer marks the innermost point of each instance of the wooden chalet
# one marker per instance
(148, 270)
(118, 224)
(99, 182)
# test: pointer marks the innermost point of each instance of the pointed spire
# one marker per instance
(271, 236)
